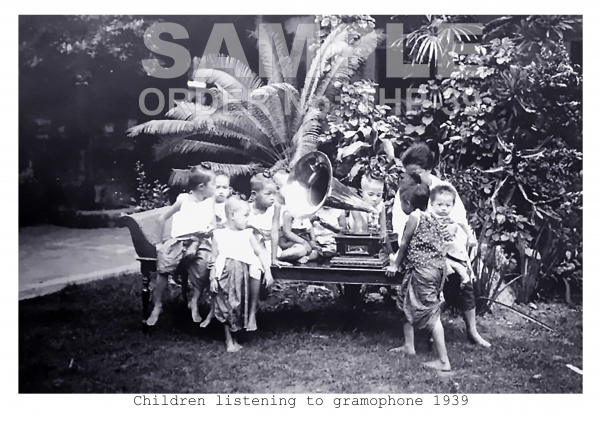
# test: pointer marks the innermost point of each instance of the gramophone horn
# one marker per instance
(311, 185)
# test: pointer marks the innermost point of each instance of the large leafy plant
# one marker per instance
(511, 130)
(275, 133)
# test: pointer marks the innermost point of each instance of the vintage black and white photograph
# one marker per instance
(246, 204)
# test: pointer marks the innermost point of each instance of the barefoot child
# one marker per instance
(235, 249)
(296, 238)
(189, 244)
(423, 246)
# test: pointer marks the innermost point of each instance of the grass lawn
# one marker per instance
(88, 339)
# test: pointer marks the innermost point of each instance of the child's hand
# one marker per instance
(391, 270)
(279, 263)
(214, 284)
(268, 278)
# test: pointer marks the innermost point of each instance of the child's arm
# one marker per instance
(275, 233)
(359, 225)
(383, 230)
(289, 234)
(471, 240)
(409, 230)
(172, 210)
(264, 259)
(342, 221)
(213, 272)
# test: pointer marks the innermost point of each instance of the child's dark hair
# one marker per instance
(220, 173)
(415, 192)
(424, 155)
(199, 175)
(442, 188)
(259, 181)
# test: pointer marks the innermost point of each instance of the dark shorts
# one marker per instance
(463, 298)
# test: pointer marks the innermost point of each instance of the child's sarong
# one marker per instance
(419, 296)
(231, 301)
(191, 253)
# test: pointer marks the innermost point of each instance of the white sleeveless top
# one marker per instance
(234, 245)
(194, 215)
(262, 221)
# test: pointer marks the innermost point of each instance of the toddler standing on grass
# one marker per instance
(189, 244)
(423, 246)
(235, 249)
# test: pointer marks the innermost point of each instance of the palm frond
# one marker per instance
(228, 73)
(179, 178)
(274, 55)
(163, 127)
(325, 52)
(355, 53)
(185, 146)
(234, 169)
(306, 140)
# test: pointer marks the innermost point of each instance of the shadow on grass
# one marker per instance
(88, 339)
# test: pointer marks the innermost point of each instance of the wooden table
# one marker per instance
(324, 273)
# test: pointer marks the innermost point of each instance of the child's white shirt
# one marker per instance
(194, 215)
(234, 245)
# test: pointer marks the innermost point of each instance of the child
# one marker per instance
(423, 246)
(327, 222)
(189, 244)
(297, 238)
(235, 249)
(365, 222)
(222, 192)
(442, 199)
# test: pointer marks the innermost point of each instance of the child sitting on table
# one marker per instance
(189, 244)
(327, 222)
(296, 237)
(239, 261)
(371, 190)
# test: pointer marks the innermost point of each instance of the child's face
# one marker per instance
(222, 188)
(265, 197)
(239, 218)
(372, 191)
(442, 204)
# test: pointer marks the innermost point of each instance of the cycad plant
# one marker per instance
(269, 126)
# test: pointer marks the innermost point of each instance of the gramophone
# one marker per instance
(309, 187)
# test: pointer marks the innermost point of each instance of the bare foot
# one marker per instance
(195, 314)
(154, 315)
(478, 340)
(404, 350)
(303, 260)
(206, 321)
(234, 347)
(251, 324)
(438, 365)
